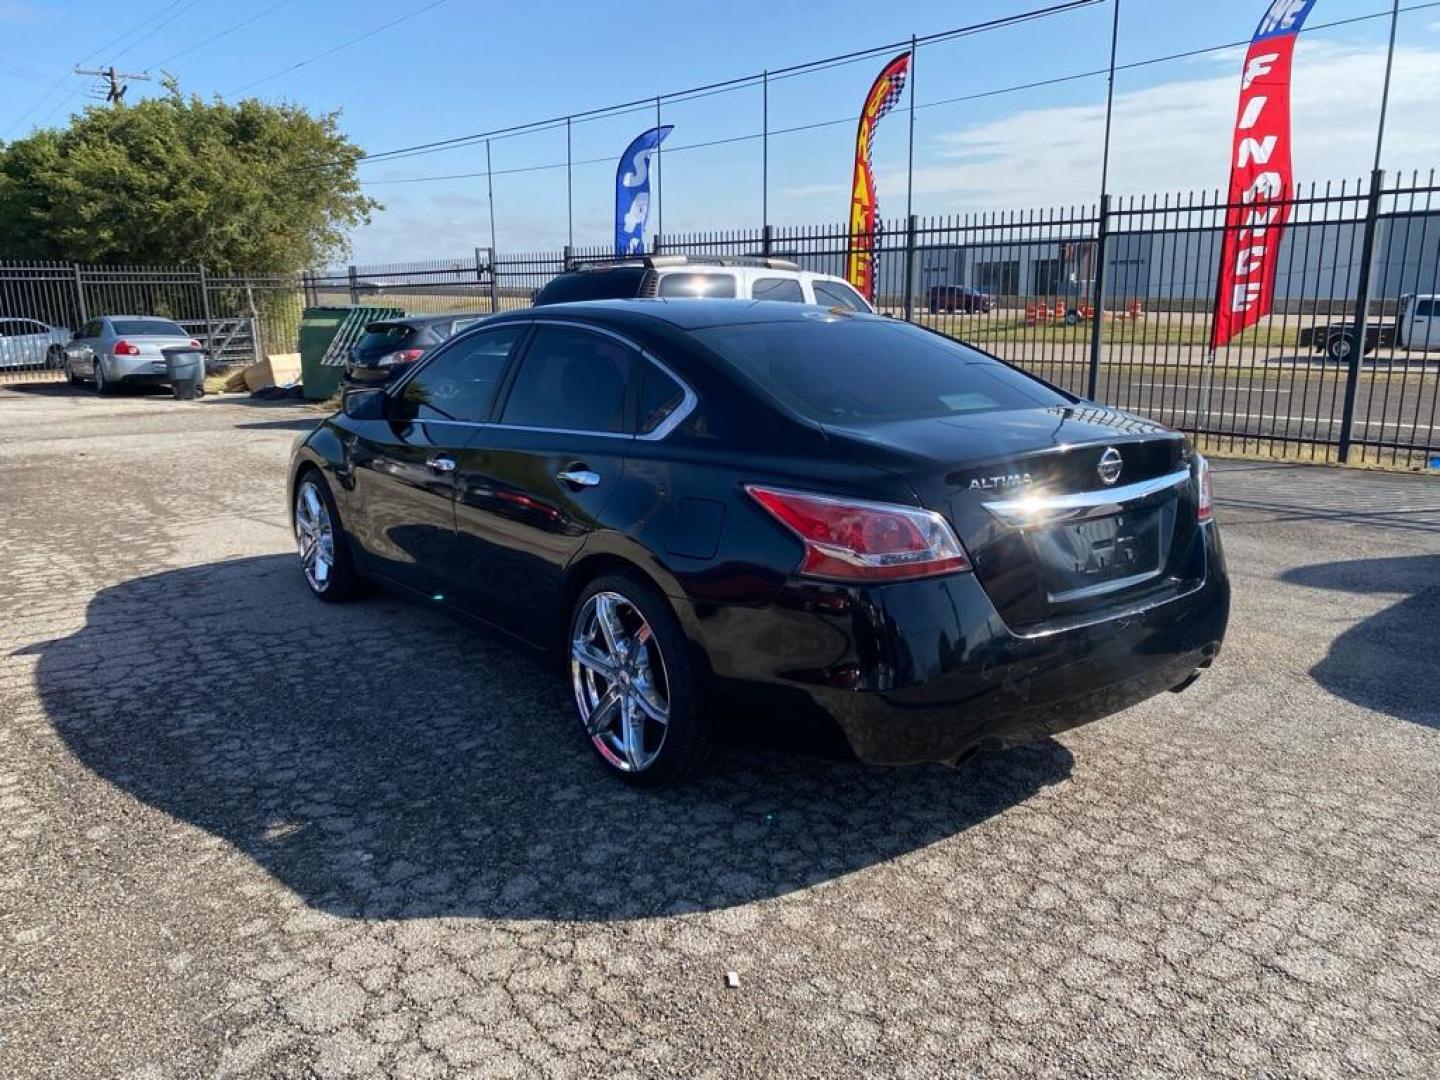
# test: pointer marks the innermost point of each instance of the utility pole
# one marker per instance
(116, 80)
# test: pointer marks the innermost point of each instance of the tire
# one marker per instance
(324, 549)
(656, 674)
(1072, 317)
(102, 384)
(1338, 348)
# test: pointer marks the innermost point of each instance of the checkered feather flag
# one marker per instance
(885, 93)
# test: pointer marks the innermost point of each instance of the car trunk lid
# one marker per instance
(1065, 512)
(152, 347)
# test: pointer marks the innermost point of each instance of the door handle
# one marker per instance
(442, 463)
(579, 477)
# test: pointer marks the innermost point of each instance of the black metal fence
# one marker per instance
(1110, 301)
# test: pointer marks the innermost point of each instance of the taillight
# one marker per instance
(195, 343)
(403, 356)
(1205, 499)
(124, 348)
(867, 541)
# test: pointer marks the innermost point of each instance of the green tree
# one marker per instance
(177, 180)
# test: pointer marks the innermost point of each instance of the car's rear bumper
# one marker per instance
(138, 370)
(927, 671)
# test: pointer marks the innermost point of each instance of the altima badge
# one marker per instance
(1000, 483)
(1111, 465)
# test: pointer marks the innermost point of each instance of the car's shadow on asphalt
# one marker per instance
(1385, 662)
(384, 760)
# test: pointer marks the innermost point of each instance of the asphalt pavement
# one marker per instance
(243, 833)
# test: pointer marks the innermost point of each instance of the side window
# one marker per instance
(833, 294)
(711, 286)
(461, 324)
(91, 329)
(1424, 309)
(660, 395)
(778, 288)
(459, 383)
(573, 380)
(8, 328)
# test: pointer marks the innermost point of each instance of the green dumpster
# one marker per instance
(327, 334)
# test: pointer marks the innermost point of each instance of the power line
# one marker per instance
(727, 85)
(157, 28)
(343, 45)
(223, 33)
(116, 82)
(978, 95)
(90, 56)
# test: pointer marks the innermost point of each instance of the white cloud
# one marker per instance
(810, 191)
(1175, 135)
(1169, 137)
(17, 11)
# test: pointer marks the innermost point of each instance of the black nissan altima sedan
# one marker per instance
(710, 509)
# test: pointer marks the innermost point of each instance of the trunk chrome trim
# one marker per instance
(1079, 505)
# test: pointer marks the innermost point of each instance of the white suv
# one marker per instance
(696, 276)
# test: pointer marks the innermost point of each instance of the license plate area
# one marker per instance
(1102, 555)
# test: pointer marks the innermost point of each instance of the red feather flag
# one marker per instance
(1261, 177)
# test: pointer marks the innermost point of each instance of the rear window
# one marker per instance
(384, 338)
(148, 328)
(862, 370)
(620, 283)
(712, 286)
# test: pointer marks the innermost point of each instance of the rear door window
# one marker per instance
(572, 380)
(660, 396)
(712, 286)
(459, 382)
(777, 288)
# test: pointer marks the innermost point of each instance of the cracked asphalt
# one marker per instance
(246, 834)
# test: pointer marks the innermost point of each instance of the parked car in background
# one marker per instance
(30, 343)
(962, 298)
(390, 346)
(1416, 327)
(115, 350)
(701, 277)
(814, 517)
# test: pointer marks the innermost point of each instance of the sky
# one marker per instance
(403, 72)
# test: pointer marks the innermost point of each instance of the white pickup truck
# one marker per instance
(1417, 328)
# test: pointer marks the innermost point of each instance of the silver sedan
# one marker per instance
(115, 349)
(29, 343)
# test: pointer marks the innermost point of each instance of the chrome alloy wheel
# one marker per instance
(314, 536)
(620, 684)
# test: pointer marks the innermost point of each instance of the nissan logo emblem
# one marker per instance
(1111, 465)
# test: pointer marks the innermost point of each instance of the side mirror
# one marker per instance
(365, 403)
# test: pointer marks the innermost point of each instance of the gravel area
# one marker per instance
(246, 834)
